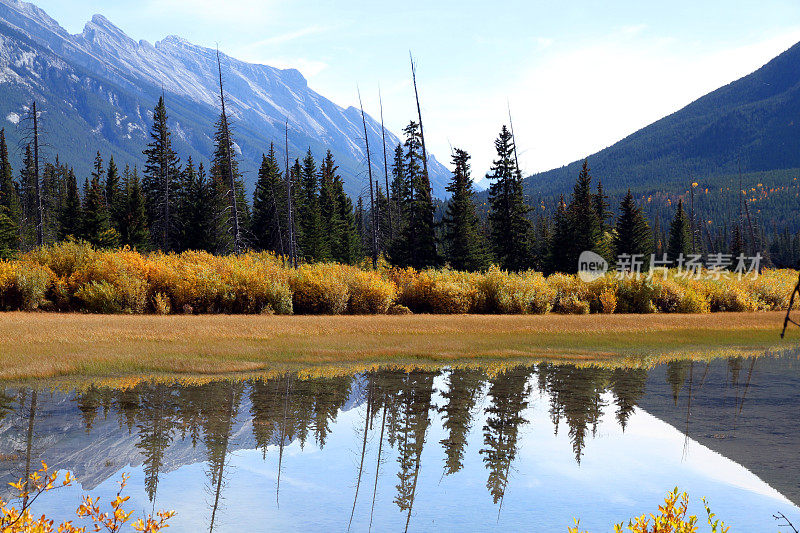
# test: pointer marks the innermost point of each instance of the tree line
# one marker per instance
(299, 210)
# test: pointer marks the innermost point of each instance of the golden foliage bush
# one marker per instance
(17, 517)
(504, 292)
(73, 276)
(436, 291)
(671, 518)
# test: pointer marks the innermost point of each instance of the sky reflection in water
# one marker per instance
(526, 449)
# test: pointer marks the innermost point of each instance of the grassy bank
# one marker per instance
(53, 344)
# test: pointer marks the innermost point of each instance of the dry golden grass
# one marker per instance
(49, 344)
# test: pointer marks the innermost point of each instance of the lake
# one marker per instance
(498, 448)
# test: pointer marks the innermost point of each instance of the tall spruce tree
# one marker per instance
(348, 243)
(680, 237)
(399, 192)
(583, 219)
(416, 245)
(310, 227)
(508, 214)
(633, 235)
(561, 244)
(71, 215)
(224, 171)
(115, 196)
(737, 247)
(269, 205)
(9, 197)
(465, 248)
(30, 201)
(9, 235)
(136, 232)
(194, 208)
(541, 244)
(96, 225)
(161, 181)
(329, 212)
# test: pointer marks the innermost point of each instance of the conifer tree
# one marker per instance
(633, 235)
(363, 238)
(51, 200)
(9, 197)
(224, 171)
(194, 209)
(583, 219)
(269, 205)
(348, 243)
(9, 235)
(96, 226)
(680, 238)
(465, 248)
(310, 220)
(71, 215)
(383, 222)
(115, 197)
(329, 212)
(602, 207)
(30, 201)
(136, 232)
(416, 245)
(508, 213)
(399, 192)
(737, 242)
(561, 246)
(161, 180)
(541, 244)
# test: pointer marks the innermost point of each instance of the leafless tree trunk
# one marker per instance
(38, 187)
(371, 194)
(386, 171)
(419, 115)
(289, 207)
(237, 236)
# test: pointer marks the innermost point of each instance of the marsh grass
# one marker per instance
(35, 345)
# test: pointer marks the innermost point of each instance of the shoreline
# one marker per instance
(45, 345)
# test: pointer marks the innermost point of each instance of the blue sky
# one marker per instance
(579, 75)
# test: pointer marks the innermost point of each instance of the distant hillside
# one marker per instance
(755, 120)
(96, 91)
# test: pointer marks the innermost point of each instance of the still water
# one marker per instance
(516, 449)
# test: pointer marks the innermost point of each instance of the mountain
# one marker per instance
(96, 91)
(754, 120)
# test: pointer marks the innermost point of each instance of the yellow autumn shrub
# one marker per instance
(505, 292)
(571, 294)
(319, 289)
(369, 292)
(437, 291)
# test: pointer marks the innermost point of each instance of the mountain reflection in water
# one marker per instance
(520, 448)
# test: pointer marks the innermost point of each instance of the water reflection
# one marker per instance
(391, 424)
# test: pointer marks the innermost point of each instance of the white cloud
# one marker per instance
(576, 102)
(283, 38)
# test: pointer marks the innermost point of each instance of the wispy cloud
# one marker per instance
(288, 37)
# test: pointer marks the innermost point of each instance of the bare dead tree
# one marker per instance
(784, 521)
(363, 453)
(289, 207)
(419, 115)
(386, 170)
(513, 137)
(371, 195)
(40, 207)
(237, 235)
